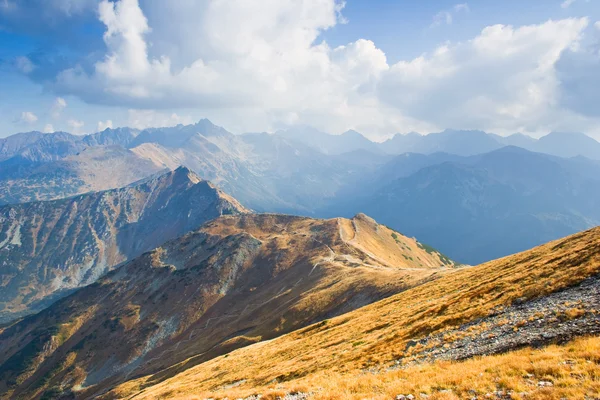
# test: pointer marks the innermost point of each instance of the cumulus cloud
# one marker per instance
(578, 71)
(58, 106)
(104, 125)
(567, 3)
(259, 65)
(48, 128)
(504, 79)
(28, 117)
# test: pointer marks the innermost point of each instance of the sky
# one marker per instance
(378, 66)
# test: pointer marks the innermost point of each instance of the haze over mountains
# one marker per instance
(455, 181)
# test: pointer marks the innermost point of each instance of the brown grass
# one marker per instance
(315, 356)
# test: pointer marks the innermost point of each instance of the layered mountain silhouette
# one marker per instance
(307, 172)
(518, 198)
(49, 248)
(169, 287)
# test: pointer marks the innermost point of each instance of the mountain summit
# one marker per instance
(50, 248)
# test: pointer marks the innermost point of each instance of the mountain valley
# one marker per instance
(135, 277)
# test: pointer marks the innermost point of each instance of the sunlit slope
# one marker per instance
(236, 281)
(325, 358)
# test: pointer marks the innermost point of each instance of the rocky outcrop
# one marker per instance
(556, 318)
(48, 249)
(237, 280)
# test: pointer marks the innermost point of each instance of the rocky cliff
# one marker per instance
(47, 249)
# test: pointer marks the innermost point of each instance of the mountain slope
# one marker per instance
(42, 147)
(265, 172)
(92, 169)
(357, 355)
(520, 199)
(236, 281)
(568, 145)
(49, 248)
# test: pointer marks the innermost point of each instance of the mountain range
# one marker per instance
(520, 199)
(307, 172)
(168, 287)
(50, 248)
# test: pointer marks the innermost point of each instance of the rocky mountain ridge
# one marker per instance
(542, 297)
(237, 280)
(47, 249)
(307, 172)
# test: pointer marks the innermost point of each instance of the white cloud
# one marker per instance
(48, 128)
(260, 65)
(504, 79)
(567, 3)
(443, 17)
(104, 125)
(58, 106)
(142, 119)
(75, 126)
(28, 117)
(578, 71)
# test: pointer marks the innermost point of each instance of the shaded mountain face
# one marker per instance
(518, 198)
(236, 281)
(300, 171)
(47, 249)
(543, 296)
(92, 169)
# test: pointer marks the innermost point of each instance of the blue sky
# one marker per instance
(379, 67)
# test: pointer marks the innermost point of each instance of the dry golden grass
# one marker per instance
(376, 335)
(573, 370)
(238, 281)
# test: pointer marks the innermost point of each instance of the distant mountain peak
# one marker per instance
(184, 171)
(207, 128)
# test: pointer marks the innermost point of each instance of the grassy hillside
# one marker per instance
(236, 281)
(337, 358)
